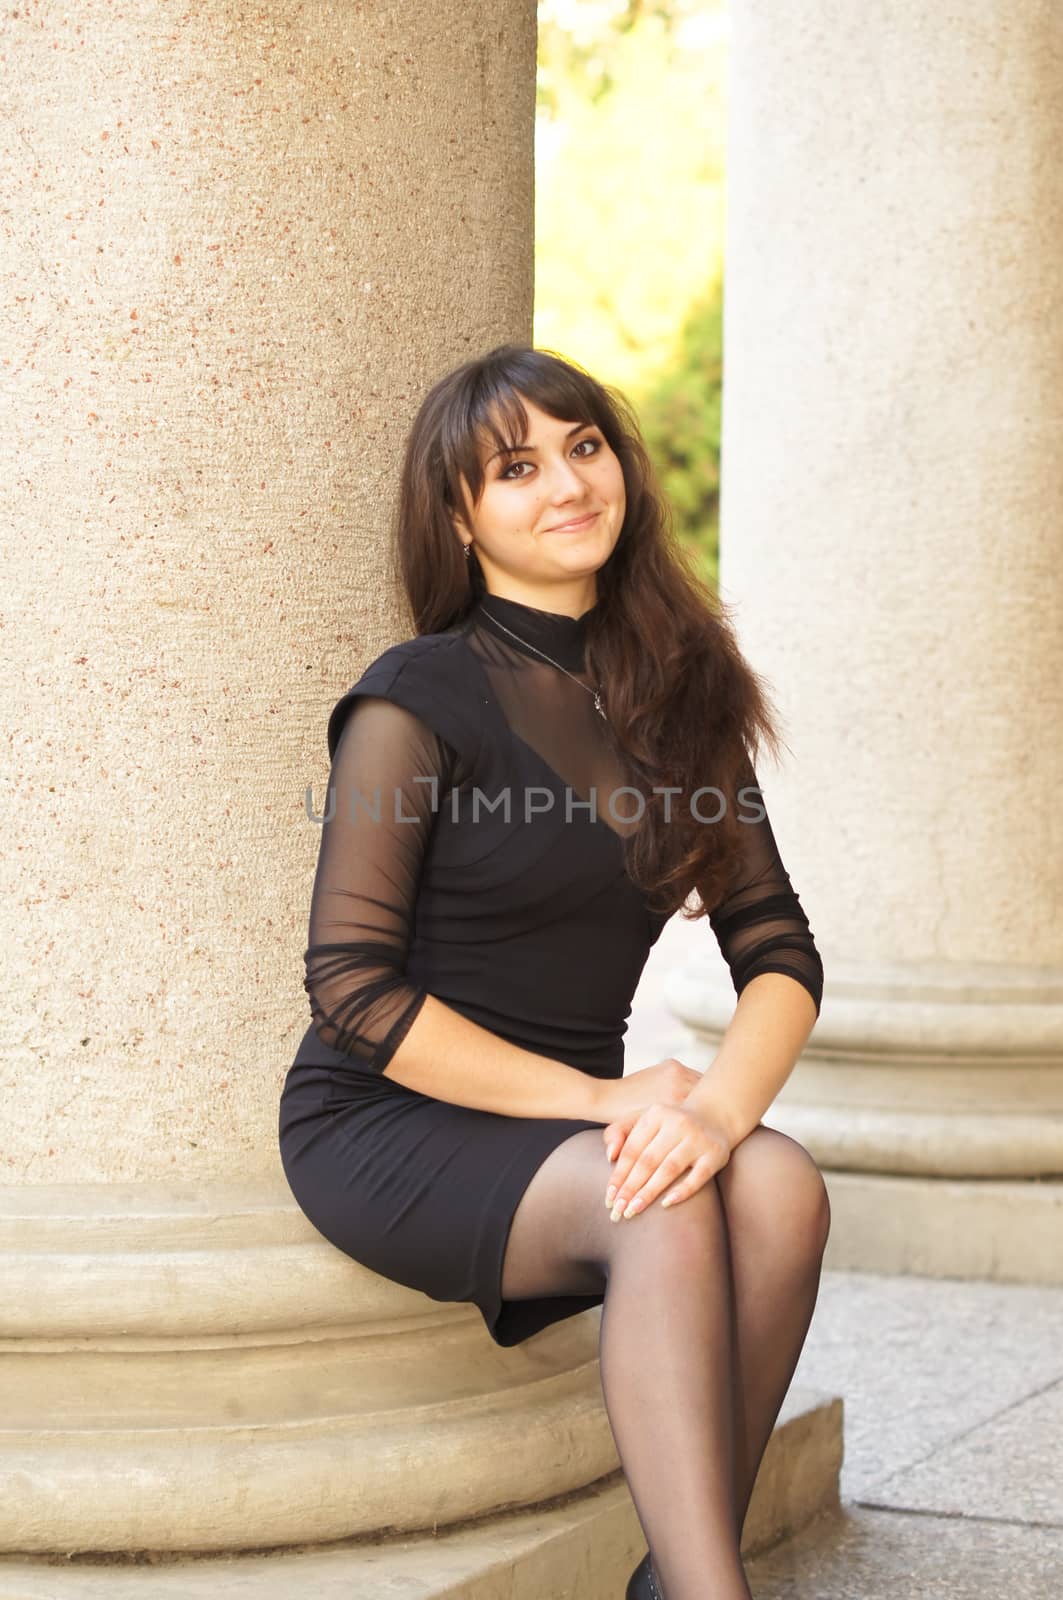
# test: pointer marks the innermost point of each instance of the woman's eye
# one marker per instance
(595, 443)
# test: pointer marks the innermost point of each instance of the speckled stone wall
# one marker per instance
(892, 494)
(238, 246)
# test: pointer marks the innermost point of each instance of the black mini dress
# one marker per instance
(472, 849)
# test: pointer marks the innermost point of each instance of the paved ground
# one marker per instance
(952, 1483)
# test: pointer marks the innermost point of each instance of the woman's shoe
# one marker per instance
(644, 1583)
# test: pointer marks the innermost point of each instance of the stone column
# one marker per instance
(892, 500)
(239, 247)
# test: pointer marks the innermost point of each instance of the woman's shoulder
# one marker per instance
(433, 651)
(429, 675)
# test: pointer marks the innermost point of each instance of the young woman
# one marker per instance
(521, 795)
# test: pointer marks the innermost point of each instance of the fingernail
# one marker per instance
(610, 1194)
(633, 1209)
(617, 1212)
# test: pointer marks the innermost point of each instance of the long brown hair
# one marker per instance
(685, 708)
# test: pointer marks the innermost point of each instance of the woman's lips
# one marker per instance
(573, 527)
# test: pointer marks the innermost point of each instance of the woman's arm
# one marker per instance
(450, 1058)
(362, 911)
(777, 972)
(759, 1050)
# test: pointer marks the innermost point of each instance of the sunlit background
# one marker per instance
(629, 223)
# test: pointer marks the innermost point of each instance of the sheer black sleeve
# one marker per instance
(760, 925)
(378, 816)
(391, 767)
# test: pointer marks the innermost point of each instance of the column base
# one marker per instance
(583, 1547)
(1007, 1232)
(935, 1072)
(192, 1368)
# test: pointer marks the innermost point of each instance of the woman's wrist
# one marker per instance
(595, 1099)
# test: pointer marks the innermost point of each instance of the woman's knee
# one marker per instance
(687, 1232)
(771, 1178)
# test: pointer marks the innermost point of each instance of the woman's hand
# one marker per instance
(663, 1147)
(667, 1083)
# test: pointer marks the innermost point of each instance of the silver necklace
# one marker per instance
(599, 705)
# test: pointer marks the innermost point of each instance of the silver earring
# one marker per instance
(467, 550)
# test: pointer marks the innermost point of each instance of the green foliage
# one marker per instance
(581, 41)
(680, 412)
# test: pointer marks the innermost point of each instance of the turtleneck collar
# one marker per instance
(561, 637)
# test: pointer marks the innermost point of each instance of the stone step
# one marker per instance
(582, 1547)
(990, 1230)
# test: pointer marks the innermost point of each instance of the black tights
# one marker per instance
(706, 1309)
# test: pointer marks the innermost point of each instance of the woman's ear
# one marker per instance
(458, 518)
(462, 533)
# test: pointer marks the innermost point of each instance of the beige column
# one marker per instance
(892, 501)
(239, 246)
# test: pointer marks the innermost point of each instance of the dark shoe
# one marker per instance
(644, 1583)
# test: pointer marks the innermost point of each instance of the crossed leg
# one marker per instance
(706, 1308)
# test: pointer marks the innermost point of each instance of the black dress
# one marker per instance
(472, 849)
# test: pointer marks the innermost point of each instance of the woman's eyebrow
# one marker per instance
(521, 449)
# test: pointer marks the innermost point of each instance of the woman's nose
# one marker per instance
(565, 479)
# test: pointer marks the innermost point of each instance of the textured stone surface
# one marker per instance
(240, 247)
(576, 1547)
(924, 1362)
(891, 499)
(1010, 1468)
(953, 1422)
(859, 1554)
(554, 1551)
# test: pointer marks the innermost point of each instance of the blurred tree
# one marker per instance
(680, 410)
(581, 40)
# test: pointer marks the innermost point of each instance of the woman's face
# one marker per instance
(565, 473)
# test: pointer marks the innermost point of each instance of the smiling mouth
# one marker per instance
(579, 522)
